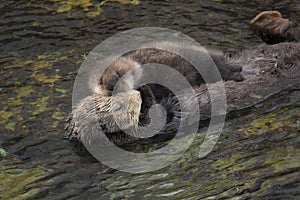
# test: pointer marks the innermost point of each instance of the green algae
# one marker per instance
(55, 124)
(46, 61)
(278, 158)
(20, 101)
(14, 182)
(19, 64)
(40, 62)
(5, 115)
(41, 105)
(62, 91)
(69, 4)
(23, 91)
(5, 118)
(35, 23)
(92, 8)
(3, 153)
(10, 126)
(272, 122)
(282, 158)
(265, 126)
(28, 194)
(43, 78)
(58, 117)
(14, 102)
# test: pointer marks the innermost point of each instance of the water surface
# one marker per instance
(43, 43)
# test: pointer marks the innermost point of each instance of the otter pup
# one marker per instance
(105, 84)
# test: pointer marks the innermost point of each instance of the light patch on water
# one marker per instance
(170, 194)
(167, 185)
(158, 176)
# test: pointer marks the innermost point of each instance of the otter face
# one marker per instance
(112, 74)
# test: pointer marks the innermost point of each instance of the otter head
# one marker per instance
(119, 67)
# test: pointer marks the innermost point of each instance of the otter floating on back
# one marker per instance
(98, 108)
(260, 66)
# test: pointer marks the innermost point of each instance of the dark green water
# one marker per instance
(43, 43)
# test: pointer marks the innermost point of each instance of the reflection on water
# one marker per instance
(41, 49)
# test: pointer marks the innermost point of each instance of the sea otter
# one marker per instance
(103, 103)
(269, 65)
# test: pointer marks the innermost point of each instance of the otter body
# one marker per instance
(99, 107)
(269, 65)
(265, 68)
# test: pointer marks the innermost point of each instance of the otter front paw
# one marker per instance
(148, 100)
(235, 73)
